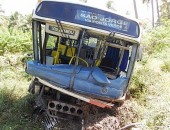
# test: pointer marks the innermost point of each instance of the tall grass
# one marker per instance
(150, 84)
(15, 101)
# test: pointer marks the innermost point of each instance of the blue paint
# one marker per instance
(88, 16)
(88, 80)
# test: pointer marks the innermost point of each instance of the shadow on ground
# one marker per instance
(16, 114)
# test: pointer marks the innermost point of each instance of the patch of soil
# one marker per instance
(111, 119)
(102, 121)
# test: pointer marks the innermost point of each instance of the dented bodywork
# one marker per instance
(82, 55)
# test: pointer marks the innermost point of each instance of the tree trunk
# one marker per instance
(157, 8)
(168, 8)
(152, 13)
(135, 8)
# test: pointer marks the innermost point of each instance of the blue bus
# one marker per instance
(82, 55)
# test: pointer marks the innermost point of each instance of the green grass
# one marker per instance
(150, 88)
(150, 84)
(15, 101)
(166, 66)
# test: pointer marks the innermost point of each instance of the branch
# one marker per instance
(131, 125)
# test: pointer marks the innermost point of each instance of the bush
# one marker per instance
(15, 41)
(157, 39)
(166, 66)
(15, 33)
(138, 87)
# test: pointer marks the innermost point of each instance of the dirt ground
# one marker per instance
(104, 119)
(111, 119)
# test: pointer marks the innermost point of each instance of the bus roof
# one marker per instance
(85, 16)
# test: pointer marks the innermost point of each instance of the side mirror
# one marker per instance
(139, 54)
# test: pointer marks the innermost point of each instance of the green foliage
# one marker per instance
(109, 5)
(150, 81)
(156, 58)
(138, 87)
(157, 39)
(19, 21)
(15, 34)
(166, 66)
(15, 40)
(51, 41)
(157, 120)
(165, 9)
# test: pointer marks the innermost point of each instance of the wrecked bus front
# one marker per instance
(82, 55)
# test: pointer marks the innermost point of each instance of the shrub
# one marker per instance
(166, 66)
(157, 39)
(15, 33)
(17, 41)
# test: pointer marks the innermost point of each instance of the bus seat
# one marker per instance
(55, 54)
(70, 51)
(61, 49)
(63, 52)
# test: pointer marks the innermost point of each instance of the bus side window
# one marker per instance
(110, 61)
(50, 47)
